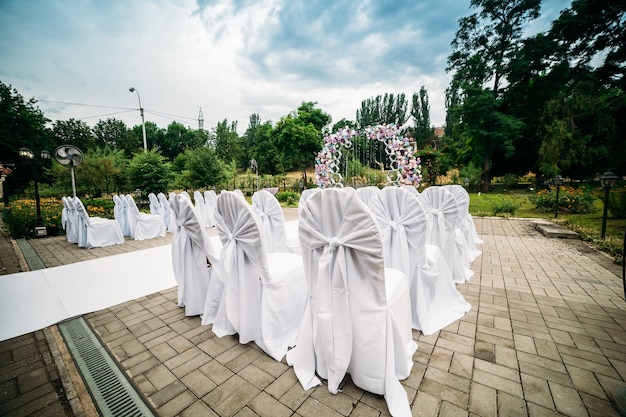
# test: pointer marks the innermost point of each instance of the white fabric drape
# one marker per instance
(95, 232)
(119, 214)
(435, 301)
(143, 225)
(466, 223)
(194, 259)
(358, 315)
(200, 206)
(165, 212)
(443, 210)
(366, 193)
(210, 200)
(71, 230)
(264, 295)
(271, 221)
(155, 206)
(414, 191)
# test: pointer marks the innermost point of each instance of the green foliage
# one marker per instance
(472, 172)
(617, 202)
(289, 198)
(571, 200)
(115, 134)
(227, 141)
(74, 132)
(149, 172)
(387, 109)
(21, 217)
(99, 171)
(205, 169)
(504, 207)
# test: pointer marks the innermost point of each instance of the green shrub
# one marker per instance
(571, 200)
(21, 217)
(617, 203)
(504, 207)
(288, 198)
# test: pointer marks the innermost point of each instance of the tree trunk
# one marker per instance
(486, 175)
(304, 181)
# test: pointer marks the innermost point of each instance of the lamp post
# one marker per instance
(27, 154)
(255, 167)
(143, 123)
(466, 182)
(558, 180)
(138, 195)
(607, 180)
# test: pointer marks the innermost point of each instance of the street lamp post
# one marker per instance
(558, 180)
(466, 182)
(27, 154)
(607, 180)
(143, 123)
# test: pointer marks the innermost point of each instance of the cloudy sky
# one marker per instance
(231, 58)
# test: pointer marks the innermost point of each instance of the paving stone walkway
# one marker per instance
(546, 336)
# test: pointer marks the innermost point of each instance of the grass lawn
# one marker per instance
(588, 225)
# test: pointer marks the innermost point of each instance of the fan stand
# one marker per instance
(73, 180)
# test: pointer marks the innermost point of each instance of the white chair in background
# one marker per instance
(305, 195)
(465, 223)
(95, 232)
(435, 300)
(155, 206)
(185, 194)
(165, 212)
(143, 225)
(366, 193)
(119, 214)
(443, 210)
(271, 221)
(240, 193)
(194, 259)
(264, 294)
(200, 206)
(71, 230)
(358, 316)
(411, 189)
(210, 200)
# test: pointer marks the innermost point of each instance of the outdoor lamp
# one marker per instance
(28, 155)
(558, 180)
(143, 122)
(607, 180)
(466, 182)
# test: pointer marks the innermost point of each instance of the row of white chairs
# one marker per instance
(86, 231)
(365, 276)
(134, 223)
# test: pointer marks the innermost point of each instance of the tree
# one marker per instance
(22, 124)
(227, 141)
(99, 169)
(205, 168)
(420, 111)
(115, 134)
(482, 51)
(73, 132)
(178, 138)
(265, 152)
(387, 109)
(148, 171)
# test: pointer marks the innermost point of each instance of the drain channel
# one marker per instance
(112, 393)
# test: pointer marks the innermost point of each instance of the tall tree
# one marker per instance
(115, 134)
(482, 51)
(73, 132)
(420, 111)
(387, 109)
(227, 144)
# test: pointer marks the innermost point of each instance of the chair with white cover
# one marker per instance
(443, 210)
(143, 225)
(411, 189)
(466, 222)
(435, 300)
(264, 294)
(96, 232)
(155, 206)
(200, 206)
(271, 221)
(165, 212)
(305, 195)
(194, 259)
(366, 193)
(210, 200)
(358, 316)
(119, 214)
(70, 222)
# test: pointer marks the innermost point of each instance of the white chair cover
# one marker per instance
(271, 221)
(119, 214)
(466, 222)
(210, 201)
(411, 189)
(194, 259)
(239, 193)
(366, 193)
(442, 208)
(358, 318)
(64, 213)
(264, 294)
(435, 300)
(185, 194)
(72, 221)
(155, 206)
(165, 212)
(95, 232)
(143, 225)
(305, 195)
(200, 206)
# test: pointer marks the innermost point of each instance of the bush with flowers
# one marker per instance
(571, 200)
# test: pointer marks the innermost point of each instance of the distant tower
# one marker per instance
(200, 120)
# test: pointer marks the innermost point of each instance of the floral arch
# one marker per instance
(404, 169)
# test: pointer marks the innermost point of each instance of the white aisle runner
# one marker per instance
(34, 300)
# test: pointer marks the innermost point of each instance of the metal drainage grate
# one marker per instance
(112, 393)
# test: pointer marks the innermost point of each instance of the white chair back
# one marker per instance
(210, 200)
(155, 206)
(271, 221)
(366, 193)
